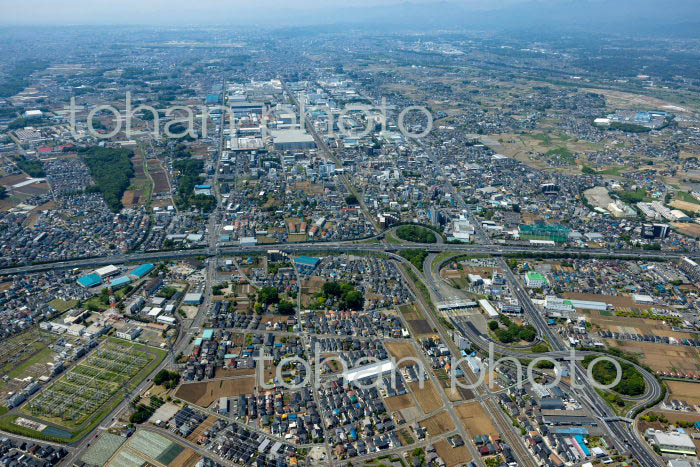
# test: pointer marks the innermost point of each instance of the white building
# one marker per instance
(488, 308)
(535, 280)
(672, 442)
(129, 332)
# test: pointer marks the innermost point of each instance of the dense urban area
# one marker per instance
(307, 247)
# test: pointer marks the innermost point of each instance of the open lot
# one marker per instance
(687, 391)
(438, 424)
(419, 326)
(428, 397)
(399, 402)
(692, 230)
(400, 350)
(205, 393)
(452, 456)
(476, 420)
(663, 357)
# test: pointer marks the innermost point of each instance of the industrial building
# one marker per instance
(288, 140)
(192, 299)
(488, 308)
(120, 281)
(141, 271)
(89, 281)
(107, 271)
(553, 303)
(672, 442)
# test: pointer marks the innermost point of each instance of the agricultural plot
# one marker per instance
(80, 393)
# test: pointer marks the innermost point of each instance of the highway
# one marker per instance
(350, 245)
(626, 435)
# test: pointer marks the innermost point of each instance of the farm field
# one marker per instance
(476, 420)
(419, 326)
(205, 393)
(628, 324)
(143, 448)
(160, 178)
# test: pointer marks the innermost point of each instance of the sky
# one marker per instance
(193, 12)
(614, 15)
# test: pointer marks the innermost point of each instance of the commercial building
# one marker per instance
(535, 280)
(655, 230)
(129, 333)
(169, 320)
(691, 268)
(307, 263)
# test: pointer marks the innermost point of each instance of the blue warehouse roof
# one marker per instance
(119, 281)
(307, 261)
(142, 270)
(91, 280)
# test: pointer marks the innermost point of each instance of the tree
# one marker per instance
(353, 300)
(268, 295)
(331, 288)
(3, 192)
(493, 325)
(286, 307)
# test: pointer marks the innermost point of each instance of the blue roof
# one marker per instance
(142, 270)
(572, 431)
(212, 99)
(119, 281)
(91, 280)
(307, 261)
(582, 443)
(208, 334)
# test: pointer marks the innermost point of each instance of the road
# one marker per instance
(350, 245)
(504, 426)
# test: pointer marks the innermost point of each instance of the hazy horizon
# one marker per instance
(587, 14)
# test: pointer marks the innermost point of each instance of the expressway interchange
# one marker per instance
(620, 428)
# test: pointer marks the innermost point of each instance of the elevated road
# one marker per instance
(350, 245)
